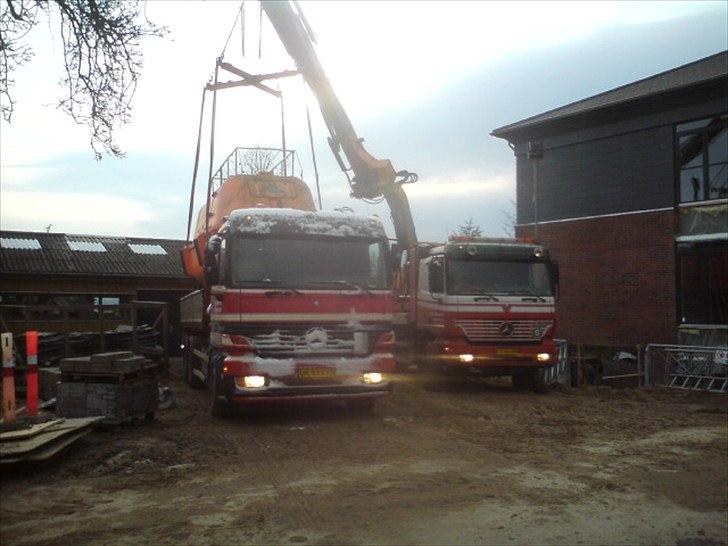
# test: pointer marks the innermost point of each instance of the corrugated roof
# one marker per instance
(38, 253)
(701, 71)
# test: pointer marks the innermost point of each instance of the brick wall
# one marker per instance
(617, 278)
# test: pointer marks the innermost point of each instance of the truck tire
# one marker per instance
(220, 406)
(188, 362)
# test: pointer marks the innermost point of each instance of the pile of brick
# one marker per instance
(118, 386)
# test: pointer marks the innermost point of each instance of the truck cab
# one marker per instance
(486, 306)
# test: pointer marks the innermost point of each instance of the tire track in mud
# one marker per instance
(499, 463)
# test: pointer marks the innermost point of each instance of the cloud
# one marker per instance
(95, 213)
(19, 175)
(425, 95)
(460, 185)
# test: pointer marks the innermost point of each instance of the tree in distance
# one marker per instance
(469, 228)
(257, 160)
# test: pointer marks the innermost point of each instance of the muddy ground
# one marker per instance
(474, 462)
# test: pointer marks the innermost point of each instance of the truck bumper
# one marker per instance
(460, 354)
(318, 392)
(283, 381)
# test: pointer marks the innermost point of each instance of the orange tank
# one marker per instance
(239, 192)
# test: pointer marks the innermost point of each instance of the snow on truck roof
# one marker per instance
(334, 224)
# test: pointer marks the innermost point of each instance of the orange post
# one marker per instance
(8, 379)
(31, 349)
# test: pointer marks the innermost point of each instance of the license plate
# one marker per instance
(507, 352)
(316, 373)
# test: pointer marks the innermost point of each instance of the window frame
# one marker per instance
(231, 249)
(706, 163)
(702, 249)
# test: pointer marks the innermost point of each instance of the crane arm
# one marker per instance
(373, 178)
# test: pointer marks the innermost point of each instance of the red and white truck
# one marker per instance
(294, 305)
(481, 305)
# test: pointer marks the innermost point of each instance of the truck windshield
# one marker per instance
(334, 264)
(491, 277)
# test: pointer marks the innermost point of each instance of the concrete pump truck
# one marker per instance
(468, 305)
(296, 304)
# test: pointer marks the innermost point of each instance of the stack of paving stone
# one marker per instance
(117, 386)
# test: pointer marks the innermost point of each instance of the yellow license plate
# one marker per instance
(316, 373)
(506, 352)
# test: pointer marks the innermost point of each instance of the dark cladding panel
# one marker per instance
(622, 173)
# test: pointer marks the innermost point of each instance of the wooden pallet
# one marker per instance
(107, 376)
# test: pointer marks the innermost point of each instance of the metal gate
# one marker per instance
(687, 367)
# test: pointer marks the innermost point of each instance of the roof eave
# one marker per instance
(513, 128)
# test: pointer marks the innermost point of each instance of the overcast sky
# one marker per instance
(424, 84)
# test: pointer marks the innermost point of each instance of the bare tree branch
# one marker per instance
(257, 160)
(508, 222)
(101, 56)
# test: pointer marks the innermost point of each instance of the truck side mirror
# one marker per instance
(395, 256)
(436, 276)
(212, 264)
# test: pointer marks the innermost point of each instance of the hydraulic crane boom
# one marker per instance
(373, 178)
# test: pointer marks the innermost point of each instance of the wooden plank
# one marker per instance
(9, 449)
(48, 451)
(28, 432)
(111, 357)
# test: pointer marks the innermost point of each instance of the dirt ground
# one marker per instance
(465, 463)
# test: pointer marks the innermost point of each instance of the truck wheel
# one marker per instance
(220, 406)
(188, 362)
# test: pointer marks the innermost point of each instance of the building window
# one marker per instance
(703, 159)
(703, 282)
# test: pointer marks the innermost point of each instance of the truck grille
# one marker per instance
(308, 341)
(504, 331)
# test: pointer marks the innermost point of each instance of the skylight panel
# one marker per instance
(85, 246)
(147, 249)
(20, 244)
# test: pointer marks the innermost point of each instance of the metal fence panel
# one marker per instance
(687, 367)
(559, 373)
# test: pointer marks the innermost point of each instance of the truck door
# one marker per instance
(430, 291)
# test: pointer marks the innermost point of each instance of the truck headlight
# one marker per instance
(466, 358)
(543, 357)
(372, 378)
(250, 381)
